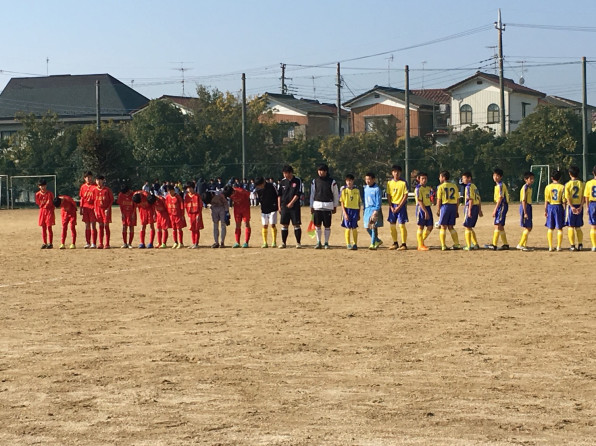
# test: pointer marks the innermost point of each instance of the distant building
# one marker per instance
(71, 97)
(306, 118)
(183, 103)
(560, 102)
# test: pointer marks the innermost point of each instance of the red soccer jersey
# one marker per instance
(69, 209)
(193, 204)
(241, 199)
(103, 198)
(127, 206)
(174, 205)
(86, 193)
(162, 218)
(45, 201)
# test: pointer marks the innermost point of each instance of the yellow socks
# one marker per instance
(404, 233)
(419, 237)
(274, 235)
(474, 239)
(559, 238)
(593, 237)
(393, 230)
(503, 237)
(580, 236)
(571, 236)
(549, 239)
(454, 236)
(524, 237)
(442, 237)
(468, 236)
(495, 237)
(426, 233)
(264, 234)
(347, 233)
(355, 235)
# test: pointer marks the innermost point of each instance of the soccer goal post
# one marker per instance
(23, 188)
(4, 192)
(541, 178)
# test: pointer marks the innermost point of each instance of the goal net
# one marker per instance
(3, 191)
(23, 188)
(541, 179)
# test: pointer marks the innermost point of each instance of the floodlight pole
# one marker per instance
(407, 125)
(584, 122)
(243, 126)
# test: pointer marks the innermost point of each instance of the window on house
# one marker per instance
(370, 124)
(465, 114)
(525, 106)
(493, 115)
(291, 133)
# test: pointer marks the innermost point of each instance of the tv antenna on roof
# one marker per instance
(47, 66)
(521, 78)
(423, 63)
(389, 60)
(182, 70)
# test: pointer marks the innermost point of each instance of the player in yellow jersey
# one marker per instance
(472, 210)
(590, 201)
(397, 194)
(574, 210)
(447, 201)
(525, 210)
(424, 214)
(554, 197)
(501, 197)
(350, 205)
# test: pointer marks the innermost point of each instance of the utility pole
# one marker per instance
(501, 27)
(584, 121)
(97, 108)
(243, 126)
(407, 128)
(338, 101)
(284, 88)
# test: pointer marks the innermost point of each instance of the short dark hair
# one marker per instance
(467, 174)
(396, 167)
(171, 187)
(574, 171)
(42, 182)
(422, 174)
(57, 202)
(445, 174)
(190, 184)
(136, 198)
(323, 167)
(556, 175)
(528, 175)
(498, 171)
(88, 174)
(100, 177)
(370, 174)
(151, 199)
(259, 181)
(287, 169)
(124, 188)
(350, 177)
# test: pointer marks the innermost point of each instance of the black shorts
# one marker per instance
(290, 215)
(322, 217)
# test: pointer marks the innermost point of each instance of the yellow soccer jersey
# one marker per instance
(447, 193)
(396, 191)
(590, 190)
(501, 191)
(350, 198)
(573, 192)
(472, 193)
(525, 194)
(554, 193)
(423, 195)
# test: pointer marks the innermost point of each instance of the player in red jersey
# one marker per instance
(103, 201)
(241, 199)
(45, 200)
(128, 212)
(146, 217)
(69, 218)
(87, 210)
(176, 213)
(162, 220)
(194, 209)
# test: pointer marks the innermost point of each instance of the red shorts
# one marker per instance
(242, 215)
(177, 222)
(196, 222)
(46, 217)
(103, 216)
(162, 221)
(68, 219)
(146, 216)
(89, 215)
(129, 219)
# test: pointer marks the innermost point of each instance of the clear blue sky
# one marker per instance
(144, 43)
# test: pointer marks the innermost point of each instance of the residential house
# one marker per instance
(388, 105)
(183, 103)
(305, 117)
(560, 102)
(71, 97)
(476, 99)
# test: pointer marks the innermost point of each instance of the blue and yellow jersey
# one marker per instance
(573, 192)
(447, 193)
(423, 195)
(472, 194)
(590, 190)
(525, 194)
(554, 193)
(501, 191)
(350, 198)
(396, 191)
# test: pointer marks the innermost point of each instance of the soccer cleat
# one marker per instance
(87, 246)
(354, 247)
(265, 245)
(349, 247)
(282, 246)
(125, 246)
(423, 248)
(274, 245)
(180, 246)
(215, 245)
(503, 248)
(162, 246)
(551, 250)
(378, 243)
(580, 247)
(245, 245)
(62, 246)
(72, 246)
(373, 247)
(129, 246)
(467, 248)
(326, 246)
(141, 246)
(456, 247)
(475, 247)
(92, 246)
(394, 246)
(520, 247)
(443, 248)
(221, 245)
(150, 246)
(49, 246)
(298, 246)
(572, 248)
(107, 247)
(175, 245)
(99, 246)
(195, 246)
(593, 248)
(44, 246)
(403, 247)
(559, 249)
(318, 246)
(236, 245)
(526, 249)
(491, 247)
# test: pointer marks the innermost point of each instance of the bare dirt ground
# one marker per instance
(272, 347)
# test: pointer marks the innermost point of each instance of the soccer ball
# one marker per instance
(437, 225)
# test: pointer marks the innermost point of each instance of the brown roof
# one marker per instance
(185, 101)
(437, 95)
(508, 83)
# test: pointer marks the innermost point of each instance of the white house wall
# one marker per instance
(283, 110)
(383, 100)
(515, 107)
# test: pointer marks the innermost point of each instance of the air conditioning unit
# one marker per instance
(443, 108)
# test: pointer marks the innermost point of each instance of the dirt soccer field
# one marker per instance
(295, 347)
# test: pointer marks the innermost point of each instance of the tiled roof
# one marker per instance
(306, 106)
(396, 93)
(68, 96)
(437, 95)
(185, 101)
(508, 83)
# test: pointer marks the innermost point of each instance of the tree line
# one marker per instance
(163, 143)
